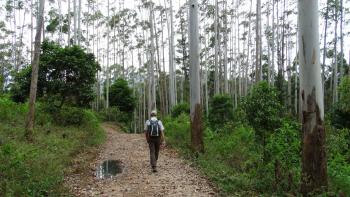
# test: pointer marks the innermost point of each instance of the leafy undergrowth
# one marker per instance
(240, 166)
(37, 168)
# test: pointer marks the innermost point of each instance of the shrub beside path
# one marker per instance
(175, 177)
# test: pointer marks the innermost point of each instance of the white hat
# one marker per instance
(154, 112)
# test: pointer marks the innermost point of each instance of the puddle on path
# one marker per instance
(108, 169)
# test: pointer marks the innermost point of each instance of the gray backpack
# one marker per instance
(154, 128)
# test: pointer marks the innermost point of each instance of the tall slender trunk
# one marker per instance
(158, 68)
(196, 109)
(14, 41)
(258, 53)
(248, 49)
(172, 75)
(31, 30)
(324, 47)
(268, 40)
(107, 69)
(60, 19)
(163, 77)
(75, 21)
(216, 63)
(314, 162)
(341, 40)
(69, 21)
(79, 22)
(273, 45)
(225, 50)
(151, 81)
(34, 79)
(335, 56)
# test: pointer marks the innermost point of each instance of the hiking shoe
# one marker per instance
(154, 169)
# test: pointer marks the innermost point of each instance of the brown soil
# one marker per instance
(175, 177)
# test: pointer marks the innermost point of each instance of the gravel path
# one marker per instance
(174, 177)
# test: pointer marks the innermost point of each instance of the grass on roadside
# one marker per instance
(37, 169)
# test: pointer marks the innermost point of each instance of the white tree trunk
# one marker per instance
(216, 63)
(258, 54)
(172, 76)
(314, 166)
(151, 80)
(107, 69)
(335, 56)
(35, 70)
(79, 23)
(69, 22)
(196, 112)
(225, 51)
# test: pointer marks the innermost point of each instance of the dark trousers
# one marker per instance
(154, 144)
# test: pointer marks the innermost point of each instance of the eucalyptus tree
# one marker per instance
(108, 52)
(5, 55)
(335, 53)
(182, 48)
(172, 73)
(258, 54)
(196, 109)
(314, 162)
(34, 79)
(216, 64)
(151, 77)
(324, 44)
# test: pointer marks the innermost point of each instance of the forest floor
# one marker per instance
(175, 177)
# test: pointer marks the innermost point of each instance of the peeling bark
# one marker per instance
(314, 162)
(197, 130)
(314, 166)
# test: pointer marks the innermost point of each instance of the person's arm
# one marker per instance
(146, 131)
(162, 136)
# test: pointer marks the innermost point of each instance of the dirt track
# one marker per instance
(174, 177)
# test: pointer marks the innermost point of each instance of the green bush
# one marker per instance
(69, 116)
(344, 92)
(113, 114)
(178, 132)
(177, 110)
(283, 155)
(338, 143)
(263, 110)
(340, 112)
(74, 87)
(221, 111)
(121, 96)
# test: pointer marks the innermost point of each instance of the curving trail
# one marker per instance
(174, 177)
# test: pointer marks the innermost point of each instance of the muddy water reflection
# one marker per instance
(109, 169)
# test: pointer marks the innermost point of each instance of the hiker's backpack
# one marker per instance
(154, 128)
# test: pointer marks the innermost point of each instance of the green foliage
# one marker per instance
(227, 154)
(283, 149)
(344, 92)
(340, 112)
(70, 116)
(121, 118)
(178, 132)
(37, 169)
(20, 87)
(121, 96)
(66, 75)
(263, 110)
(221, 111)
(177, 110)
(338, 143)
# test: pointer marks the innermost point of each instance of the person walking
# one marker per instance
(154, 132)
